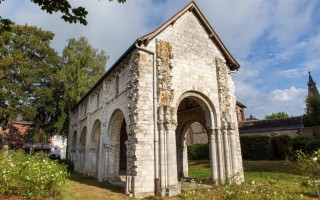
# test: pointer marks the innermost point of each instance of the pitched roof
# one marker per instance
(231, 62)
(192, 6)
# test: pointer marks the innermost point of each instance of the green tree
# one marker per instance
(69, 14)
(312, 116)
(277, 115)
(29, 81)
(83, 66)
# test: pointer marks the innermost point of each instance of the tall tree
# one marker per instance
(69, 14)
(29, 81)
(277, 115)
(83, 66)
(312, 116)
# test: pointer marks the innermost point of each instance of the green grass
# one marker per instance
(278, 179)
(263, 180)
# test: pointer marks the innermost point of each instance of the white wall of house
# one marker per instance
(59, 146)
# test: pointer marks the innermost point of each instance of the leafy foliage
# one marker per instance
(69, 14)
(31, 177)
(83, 66)
(312, 116)
(198, 152)
(255, 147)
(277, 115)
(309, 165)
(29, 81)
(281, 147)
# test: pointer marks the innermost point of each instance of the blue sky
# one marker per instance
(275, 41)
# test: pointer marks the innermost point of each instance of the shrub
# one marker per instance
(31, 177)
(309, 165)
(312, 145)
(316, 132)
(255, 147)
(281, 147)
(198, 152)
(299, 143)
(69, 165)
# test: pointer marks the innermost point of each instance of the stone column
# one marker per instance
(213, 154)
(163, 166)
(107, 149)
(234, 155)
(184, 158)
(226, 148)
(220, 155)
(172, 176)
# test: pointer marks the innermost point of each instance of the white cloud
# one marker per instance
(269, 32)
(259, 104)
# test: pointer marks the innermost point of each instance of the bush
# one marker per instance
(198, 152)
(281, 147)
(31, 177)
(255, 147)
(312, 145)
(299, 143)
(69, 165)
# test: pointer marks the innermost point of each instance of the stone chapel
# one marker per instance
(132, 124)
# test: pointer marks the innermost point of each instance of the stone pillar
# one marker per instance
(213, 154)
(172, 176)
(226, 148)
(184, 158)
(163, 165)
(234, 153)
(220, 155)
(107, 149)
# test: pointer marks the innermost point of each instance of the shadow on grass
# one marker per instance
(94, 182)
(287, 167)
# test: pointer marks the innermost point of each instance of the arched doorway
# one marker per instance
(123, 149)
(190, 130)
(116, 148)
(94, 149)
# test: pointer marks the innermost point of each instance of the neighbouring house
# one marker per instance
(240, 112)
(131, 125)
(19, 136)
(59, 146)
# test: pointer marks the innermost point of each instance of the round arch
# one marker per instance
(82, 148)
(116, 149)
(206, 105)
(192, 107)
(94, 151)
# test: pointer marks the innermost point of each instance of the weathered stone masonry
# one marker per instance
(112, 128)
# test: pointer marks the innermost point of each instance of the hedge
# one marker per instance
(259, 147)
(198, 152)
(255, 147)
(280, 147)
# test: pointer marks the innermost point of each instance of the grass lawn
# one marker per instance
(263, 180)
(87, 188)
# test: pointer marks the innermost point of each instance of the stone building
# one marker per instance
(133, 121)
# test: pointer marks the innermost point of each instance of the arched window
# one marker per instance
(117, 85)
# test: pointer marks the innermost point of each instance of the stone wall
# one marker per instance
(188, 66)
